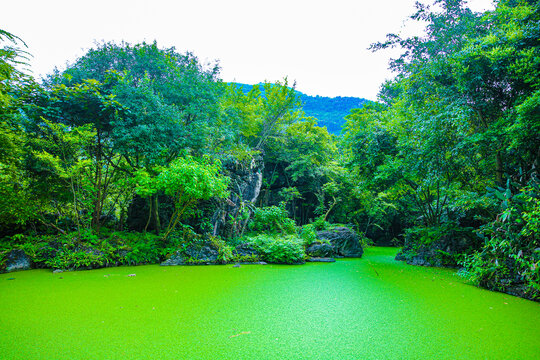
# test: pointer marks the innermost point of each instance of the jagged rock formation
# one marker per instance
(246, 181)
(246, 250)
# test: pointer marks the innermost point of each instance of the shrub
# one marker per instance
(279, 249)
(183, 234)
(77, 259)
(143, 252)
(193, 261)
(225, 251)
(440, 245)
(272, 219)
(510, 258)
(29, 244)
(3, 260)
(365, 241)
(308, 234)
(245, 258)
(321, 224)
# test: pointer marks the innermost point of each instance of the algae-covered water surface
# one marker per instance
(369, 308)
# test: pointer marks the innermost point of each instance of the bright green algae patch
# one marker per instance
(369, 308)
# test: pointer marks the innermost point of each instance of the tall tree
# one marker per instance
(15, 203)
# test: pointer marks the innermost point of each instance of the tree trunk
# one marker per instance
(150, 204)
(155, 210)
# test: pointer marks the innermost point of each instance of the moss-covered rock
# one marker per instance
(320, 250)
(345, 241)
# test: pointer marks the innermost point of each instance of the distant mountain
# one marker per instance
(329, 111)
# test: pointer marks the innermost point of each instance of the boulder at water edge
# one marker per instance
(17, 260)
(320, 250)
(345, 242)
(246, 249)
(194, 254)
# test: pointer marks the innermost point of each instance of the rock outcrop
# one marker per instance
(345, 242)
(17, 260)
(194, 254)
(441, 253)
(320, 250)
(245, 186)
(205, 254)
(246, 250)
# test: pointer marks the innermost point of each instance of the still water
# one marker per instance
(369, 308)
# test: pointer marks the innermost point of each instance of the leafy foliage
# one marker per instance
(76, 260)
(272, 219)
(308, 234)
(510, 258)
(279, 249)
(188, 180)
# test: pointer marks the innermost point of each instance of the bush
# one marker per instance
(245, 258)
(510, 258)
(442, 245)
(279, 249)
(272, 219)
(426, 235)
(225, 250)
(308, 234)
(321, 224)
(142, 252)
(3, 260)
(76, 260)
(365, 241)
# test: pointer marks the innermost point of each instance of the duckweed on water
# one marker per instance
(369, 308)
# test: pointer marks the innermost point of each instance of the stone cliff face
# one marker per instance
(232, 214)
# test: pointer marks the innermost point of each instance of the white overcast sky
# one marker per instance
(320, 44)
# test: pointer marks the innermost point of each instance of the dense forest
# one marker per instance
(329, 112)
(134, 152)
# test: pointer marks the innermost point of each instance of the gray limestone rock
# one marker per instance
(345, 242)
(17, 260)
(320, 250)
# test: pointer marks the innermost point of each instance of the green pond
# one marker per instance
(369, 308)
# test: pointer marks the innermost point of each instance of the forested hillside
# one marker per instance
(329, 111)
